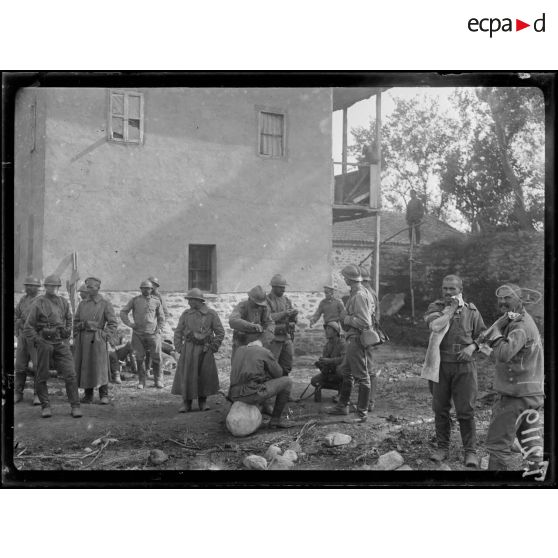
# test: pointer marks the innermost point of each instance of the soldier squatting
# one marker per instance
(262, 357)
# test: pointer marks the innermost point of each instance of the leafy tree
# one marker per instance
(415, 137)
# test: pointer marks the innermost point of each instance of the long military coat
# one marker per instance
(94, 323)
(197, 336)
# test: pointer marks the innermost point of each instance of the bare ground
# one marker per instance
(122, 434)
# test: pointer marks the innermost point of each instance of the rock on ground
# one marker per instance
(272, 451)
(337, 439)
(281, 463)
(157, 457)
(255, 462)
(290, 455)
(389, 461)
(243, 419)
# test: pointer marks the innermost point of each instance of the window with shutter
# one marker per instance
(126, 116)
(271, 134)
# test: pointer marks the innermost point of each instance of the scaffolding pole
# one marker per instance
(378, 200)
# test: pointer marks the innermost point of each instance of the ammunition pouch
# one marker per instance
(49, 334)
(281, 329)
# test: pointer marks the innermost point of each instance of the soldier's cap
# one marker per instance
(523, 294)
(146, 284)
(32, 281)
(91, 279)
(257, 295)
(82, 288)
(154, 280)
(195, 294)
(334, 325)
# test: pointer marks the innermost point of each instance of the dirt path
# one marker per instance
(138, 421)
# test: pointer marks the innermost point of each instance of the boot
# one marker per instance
(46, 412)
(141, 375)
(103, 395)
(36, 400)
(18, 396)
(116, 377)
(363, 400)
(76, 412)
(318, 395)
(468, 432)
(471, 460)
(202, 404)
(373, 391)
(495, 464)
(87, 396)
(158, 377)
(440, 454)
(280, 402)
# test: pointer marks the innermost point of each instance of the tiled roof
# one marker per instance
(363, 231)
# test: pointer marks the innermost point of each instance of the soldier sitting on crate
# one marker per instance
(330, 376)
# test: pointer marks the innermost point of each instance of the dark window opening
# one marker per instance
(201, 267)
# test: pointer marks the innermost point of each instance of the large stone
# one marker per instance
(255, 462)
(243, 419)
(337, 439)
(389, 461)
(404, 468)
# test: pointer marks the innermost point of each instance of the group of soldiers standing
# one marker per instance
(262, 354)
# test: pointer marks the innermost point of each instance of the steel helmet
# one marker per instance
(32, 281)
(154, 280)
(195, 294)
(365, 273)
(53, 280)
(147, 284)
(352, 272)
(278, 281)
(333, 325)
(257, 296)
(83, 288)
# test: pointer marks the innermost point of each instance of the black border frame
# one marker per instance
(13, 81)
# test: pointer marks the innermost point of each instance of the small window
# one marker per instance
(271, 134)
(126, 116)
(201, 267)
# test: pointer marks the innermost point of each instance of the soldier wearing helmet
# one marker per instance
(49, 328)
(94, 325)
(25, 351)
(329, 364)
(149, 319)
(519, 382)
(197, 337)
(249, 318)
(284, 315)
(356, 320)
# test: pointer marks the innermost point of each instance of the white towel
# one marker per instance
(431, 366)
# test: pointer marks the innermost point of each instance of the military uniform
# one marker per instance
(25, 350)
(94, 324)
(149, 320)
(330, 376)
(242, 319)
(519, 383)
(354, 368)
(331, 310)
(281, 345)
(457, 379)
(370, 350)
(49, 327)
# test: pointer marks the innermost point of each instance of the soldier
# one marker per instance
(256, 377)
(157, 294)
(458, 370)
(197, 337)
(518, 352)
(149, 320)
(25, 352)
(284, 316)
(94, 324)
(358, 318)
(330, 376)
(330, 307)
(49, 327)
(367, 284)
(414, 215)
(251, 316)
